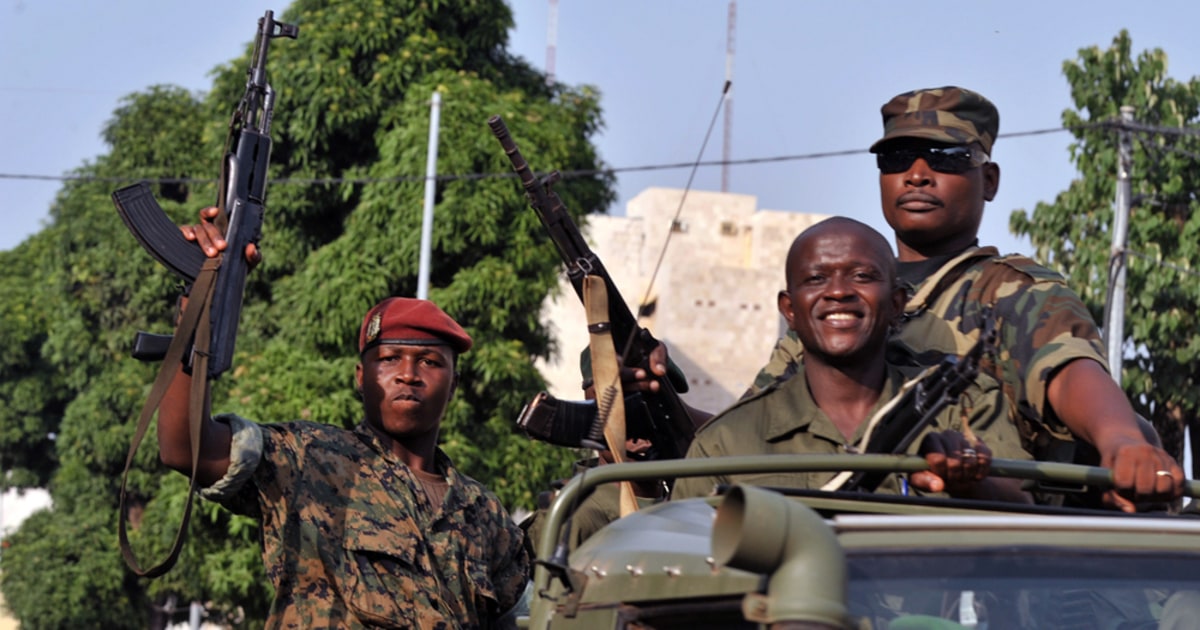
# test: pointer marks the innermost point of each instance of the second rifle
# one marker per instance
(670, 424)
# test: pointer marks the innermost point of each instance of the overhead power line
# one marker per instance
(576, 173)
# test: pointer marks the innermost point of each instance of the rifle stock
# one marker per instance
(240, 201)
(671, 424)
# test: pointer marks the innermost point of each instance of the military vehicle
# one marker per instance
(757, 557)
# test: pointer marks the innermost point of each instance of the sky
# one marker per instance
(808, 78)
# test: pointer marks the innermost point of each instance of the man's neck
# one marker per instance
(913, 272)
(845, 394)
(418, 453)
(910, 253)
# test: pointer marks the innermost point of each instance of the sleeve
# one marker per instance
(510, 565)
(245, 454)
(1043, 326)
(782, 364)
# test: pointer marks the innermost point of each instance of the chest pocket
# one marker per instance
(383, 580)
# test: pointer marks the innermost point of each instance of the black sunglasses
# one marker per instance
(955, 160)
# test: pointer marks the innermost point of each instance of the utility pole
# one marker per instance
(551, 40)
(726, 151)
(1114, 314)
(435, 111)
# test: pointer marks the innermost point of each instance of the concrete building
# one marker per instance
(714, 298)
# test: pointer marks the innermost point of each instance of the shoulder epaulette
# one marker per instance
(1029, 267)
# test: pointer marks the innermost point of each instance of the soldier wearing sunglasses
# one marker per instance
(935, 176)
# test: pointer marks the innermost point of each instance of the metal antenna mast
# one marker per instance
(551, 40)
(727, 148)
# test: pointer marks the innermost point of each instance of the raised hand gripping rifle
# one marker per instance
(240, 200)
(206, 334)
(671, 425)
(918, 406)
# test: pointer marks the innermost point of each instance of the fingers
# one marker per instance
(658, 360)
(956, 462)
(927, 481)
(638, 380)
(1142, 473)
(638, 445)
(212, 241)
(253, 255)
(205, 233)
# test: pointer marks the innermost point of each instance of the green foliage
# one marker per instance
(353, 102)
(61, 570)
(1162, 310)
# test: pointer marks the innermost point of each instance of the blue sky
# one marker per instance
(809, 77)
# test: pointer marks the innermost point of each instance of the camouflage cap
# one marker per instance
(946, 114)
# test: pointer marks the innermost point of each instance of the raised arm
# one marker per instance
(174, 431)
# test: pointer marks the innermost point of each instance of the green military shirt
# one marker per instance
(350, 539)
(784, 419)
(1042, 325)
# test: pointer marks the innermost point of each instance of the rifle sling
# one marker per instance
(196, 319)
(606, 374)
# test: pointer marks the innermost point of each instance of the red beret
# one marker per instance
(402, 320)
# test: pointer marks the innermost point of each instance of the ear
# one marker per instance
(784, 303)
(899, 300)
(358, 376)
(991, 180)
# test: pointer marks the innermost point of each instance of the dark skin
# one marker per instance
(842, 299)
(936, 213)
(405, 391)
(845, 267)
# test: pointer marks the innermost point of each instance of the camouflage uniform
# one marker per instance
(784, 419)
(1042, 326)
(351, 541)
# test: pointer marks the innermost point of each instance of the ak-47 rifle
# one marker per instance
(920, 404)
(207, 331)
(241, 196)
(671, 425)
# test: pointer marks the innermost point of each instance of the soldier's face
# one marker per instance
(934, 212)
(406, 388)
(842, 297)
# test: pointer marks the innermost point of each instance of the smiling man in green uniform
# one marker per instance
(842, 299)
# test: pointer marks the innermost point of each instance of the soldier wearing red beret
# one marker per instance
(370, 527)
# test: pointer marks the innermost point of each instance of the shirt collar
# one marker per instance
(804, 415)
(382, 443)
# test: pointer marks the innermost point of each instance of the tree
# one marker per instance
(1162, 329)
(352, 109)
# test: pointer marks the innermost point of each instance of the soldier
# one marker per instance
(842, 299)
(935, 175)
(372, 526)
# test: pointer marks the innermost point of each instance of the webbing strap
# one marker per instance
(606, 374)
(196, 319)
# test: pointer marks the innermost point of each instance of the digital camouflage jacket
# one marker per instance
(1042, 325)
(351, 541)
